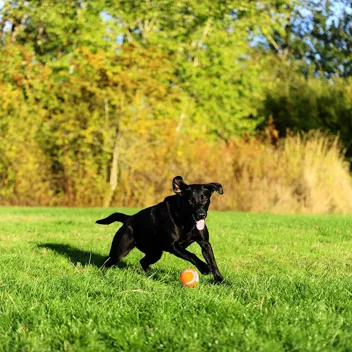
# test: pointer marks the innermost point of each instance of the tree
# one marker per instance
(214, 61)
(316, 34)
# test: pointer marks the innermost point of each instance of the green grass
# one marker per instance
(288, 286)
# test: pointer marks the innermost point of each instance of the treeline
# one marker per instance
(103, 102)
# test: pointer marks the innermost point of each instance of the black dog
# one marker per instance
(170, 226)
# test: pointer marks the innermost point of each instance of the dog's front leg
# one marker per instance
(192, 258)
(208, 254)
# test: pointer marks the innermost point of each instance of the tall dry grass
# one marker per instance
(301, 173)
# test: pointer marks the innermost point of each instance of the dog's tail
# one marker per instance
(112, 218)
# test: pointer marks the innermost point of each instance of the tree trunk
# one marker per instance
(113, 172)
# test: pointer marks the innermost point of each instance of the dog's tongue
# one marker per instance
(200, 224)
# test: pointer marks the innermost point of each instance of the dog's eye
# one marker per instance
(192, 200)
(204, 200)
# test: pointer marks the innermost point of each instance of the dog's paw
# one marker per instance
(218, 279)
(204, 269)
(148, 271)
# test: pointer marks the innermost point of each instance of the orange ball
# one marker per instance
(189, 277)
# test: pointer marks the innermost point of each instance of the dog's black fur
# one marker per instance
(168, 226)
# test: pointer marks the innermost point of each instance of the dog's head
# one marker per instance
(196, 198)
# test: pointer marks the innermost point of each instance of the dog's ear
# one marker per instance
(178, 185)
(214, 187)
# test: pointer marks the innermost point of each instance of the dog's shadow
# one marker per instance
(85, 258)
(78, 256)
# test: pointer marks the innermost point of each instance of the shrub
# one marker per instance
(303, 173)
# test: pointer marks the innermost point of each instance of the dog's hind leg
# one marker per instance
(122, 244)
(149, 259)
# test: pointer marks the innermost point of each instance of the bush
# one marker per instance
(304, 173)
(302, 104)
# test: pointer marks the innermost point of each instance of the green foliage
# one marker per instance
(300, 104)
(54, 29)
(331, 38)
(288, 281)
(312, 33)
(213, 62)
(103, 101)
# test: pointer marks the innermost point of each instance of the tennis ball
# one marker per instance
(189, 277)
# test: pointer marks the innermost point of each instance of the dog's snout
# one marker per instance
(201, 214)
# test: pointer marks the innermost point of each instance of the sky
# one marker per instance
(7, 26)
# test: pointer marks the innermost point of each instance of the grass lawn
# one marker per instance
(288, 286)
